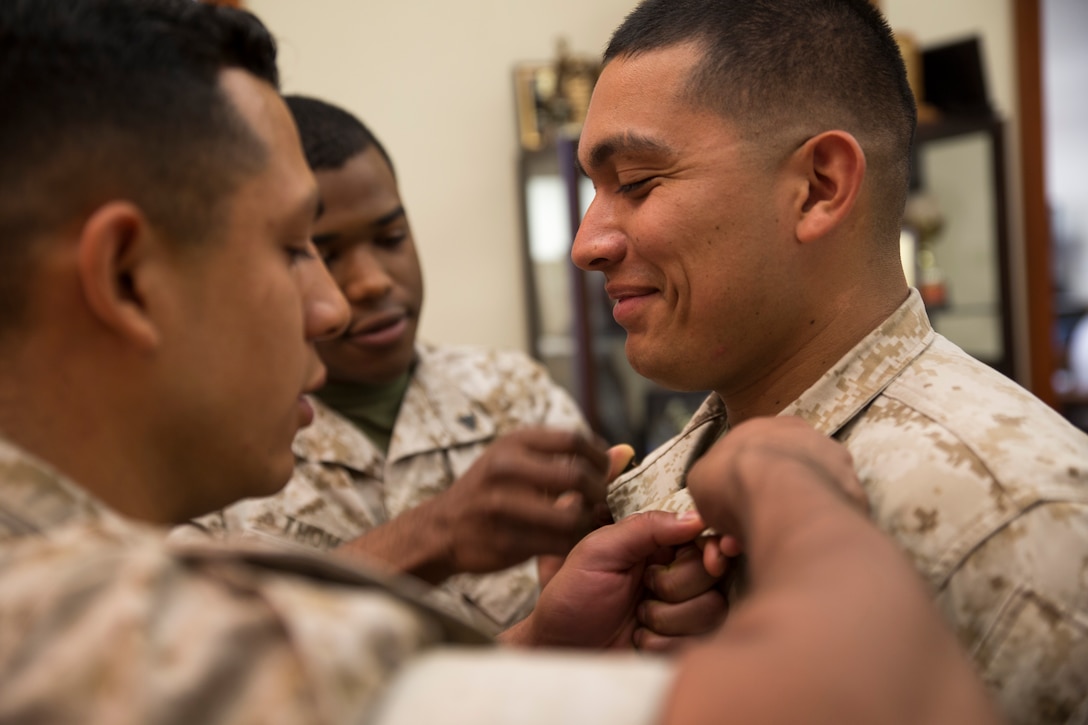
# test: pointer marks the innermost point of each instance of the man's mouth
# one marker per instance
(628, 301)
(378, 330)
(621, 292)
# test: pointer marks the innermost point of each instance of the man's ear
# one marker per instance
(114, 249)
(833, 164)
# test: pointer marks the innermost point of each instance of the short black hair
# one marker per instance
(106, 99)
(780, 65)
(331, 136)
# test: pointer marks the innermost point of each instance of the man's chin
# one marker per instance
(644, 362)
(668, 371)
(275, 478)
(269, 487)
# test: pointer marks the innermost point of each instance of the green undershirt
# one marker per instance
(373, 408)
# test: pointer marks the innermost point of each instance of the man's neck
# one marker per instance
(778, 384)
(59, 417)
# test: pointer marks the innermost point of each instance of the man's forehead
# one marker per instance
(635, 102)
(286, 186)
(252, 98)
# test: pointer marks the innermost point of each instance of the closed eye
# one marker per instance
(633, 186)
(390, 241)
(297, 253)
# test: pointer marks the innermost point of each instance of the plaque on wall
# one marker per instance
(553, 96)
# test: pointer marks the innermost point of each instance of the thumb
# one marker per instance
(619, 456)
(637, 537)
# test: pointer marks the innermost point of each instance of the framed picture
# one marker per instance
(534, 83)
(552, 96)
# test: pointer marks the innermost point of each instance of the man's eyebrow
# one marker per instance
(390, 217)
(626, 143)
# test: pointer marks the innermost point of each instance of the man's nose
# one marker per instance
(363, 277)
(599, 242)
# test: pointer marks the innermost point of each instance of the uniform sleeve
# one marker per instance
(94, 633)
(1021, 605)
(447, 687)
(560, 410)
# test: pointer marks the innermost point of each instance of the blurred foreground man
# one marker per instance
(160, 302)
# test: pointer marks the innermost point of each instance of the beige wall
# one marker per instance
(433, 79)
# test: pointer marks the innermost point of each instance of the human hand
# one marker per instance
(592, 600)
(684, 599)
(754, 460)
(537, 491)
(619, 456)
(823, 581)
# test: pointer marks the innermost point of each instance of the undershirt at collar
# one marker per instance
(372, 408)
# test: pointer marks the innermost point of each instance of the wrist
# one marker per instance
(409, 544)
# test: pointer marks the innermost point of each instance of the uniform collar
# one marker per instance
(332, 438)
(840, 393)
(434, 415)
(864, 372)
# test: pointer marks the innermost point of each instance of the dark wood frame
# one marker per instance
(994, 128)
(1039, 286)
(559, 158)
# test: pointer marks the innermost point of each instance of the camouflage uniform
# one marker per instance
(458, 402)
(102, 621)
(984, 486)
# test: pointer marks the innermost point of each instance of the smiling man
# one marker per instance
(751, 161)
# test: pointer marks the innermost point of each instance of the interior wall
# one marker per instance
(433, 79)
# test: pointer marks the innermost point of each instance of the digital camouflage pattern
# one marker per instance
(460, 399)
(983, 485)
(104, 622)
(101, 621)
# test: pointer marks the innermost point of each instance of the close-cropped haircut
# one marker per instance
(331, 136)
(788, 66)
(120, 99)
